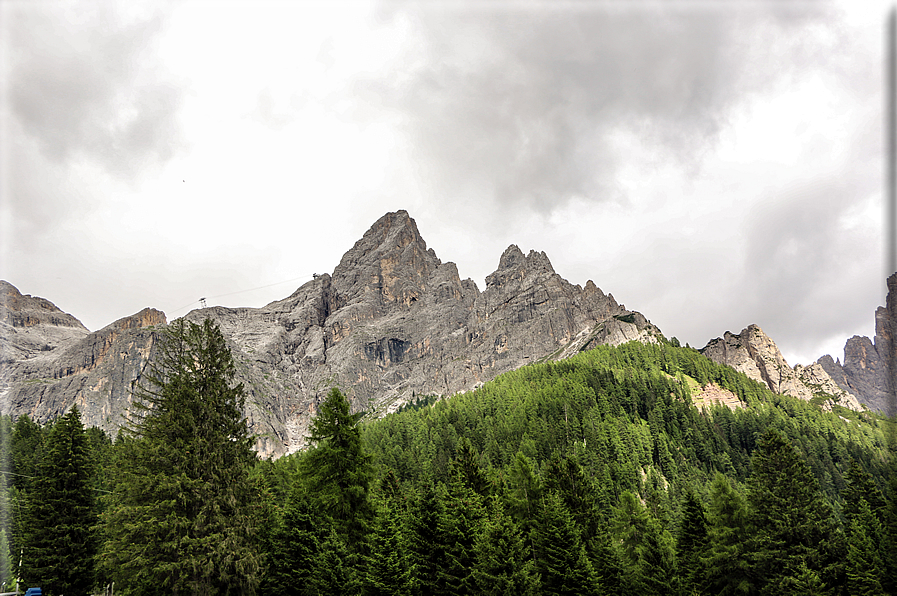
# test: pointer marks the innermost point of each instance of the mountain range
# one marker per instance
(392, 322)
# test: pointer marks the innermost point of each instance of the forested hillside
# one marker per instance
(611, 472)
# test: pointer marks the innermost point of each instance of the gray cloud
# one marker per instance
(82, 83)
(519, 104)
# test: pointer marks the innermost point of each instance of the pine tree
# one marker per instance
(560, 555)
(504, 565)
(425, 544)
(727, 570)
(889, 524)
(180, 518)
(692, 543)
(468, 468)
(335, 569)
(26, 448)
(295, 547)
(6, 568)
(647, 548)
(58, 539)
(865, 504)
(794, 526)
(337, 470)
(525, 489)
(461, 515)
(606, 562)
(864, 566)
(388, 569)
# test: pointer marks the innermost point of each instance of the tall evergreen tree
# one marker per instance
(295, 547)
(560, 555)
(335, 569)
(425, 544)
(461, 514)
(337, 470)
(647, 548)
(794, 526)
(58, 539)
(525, 489)
(504, 564)
(726, 568)
(889, 524)
(180, 517)
(388, 570)
(467, 466)
(864, 565)
(692, 543)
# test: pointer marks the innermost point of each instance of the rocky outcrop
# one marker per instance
(94, 371)
(32, 326)
(756, 355)
(869, 370)
(391, 322)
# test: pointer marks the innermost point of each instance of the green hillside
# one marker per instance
(639, 469)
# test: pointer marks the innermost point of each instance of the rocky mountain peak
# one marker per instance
(870, 368)
(17, 310)
(31, 327)
(388, 266)
(392, 321)
(511, 258)
(755, 354)
(514, 267)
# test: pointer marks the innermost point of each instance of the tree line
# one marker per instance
(593, 475)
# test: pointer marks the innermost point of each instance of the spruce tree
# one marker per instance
(467, 465)
(504, 564)
(295, 547)
(425, 544)
(864, 565)
(335, 569)
(692, 543)
(337, 470)
(525, 489)
(647, 549)
(461, 515)
(726, 568)
(388, 570)
(794, 526)
(560, 555)
(180, 517)
(58, 537)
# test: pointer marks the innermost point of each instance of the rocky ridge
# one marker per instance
(870, 367)
(392, 321)
(756, 355)
(31, 326)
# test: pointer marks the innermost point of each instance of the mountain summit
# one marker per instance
(870, 367)
(391, 322)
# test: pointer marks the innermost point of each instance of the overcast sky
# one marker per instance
(711, 164)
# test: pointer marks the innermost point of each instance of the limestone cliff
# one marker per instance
(869, 370)
(32, 326)
(756, 355)
(392, 321)
(94, 371)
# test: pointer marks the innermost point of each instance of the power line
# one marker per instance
(202, 300)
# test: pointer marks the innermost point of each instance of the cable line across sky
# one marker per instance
(202, 301)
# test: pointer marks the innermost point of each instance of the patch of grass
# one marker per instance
(630, 318)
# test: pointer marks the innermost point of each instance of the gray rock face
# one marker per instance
(32, 326)
(756, 355)
(94, 371)
(391, 322)
(869, 370)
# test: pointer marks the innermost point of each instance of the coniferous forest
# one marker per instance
(606, 473)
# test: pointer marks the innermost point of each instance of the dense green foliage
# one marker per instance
(57, 530)
(594, 475)
(179, 519)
